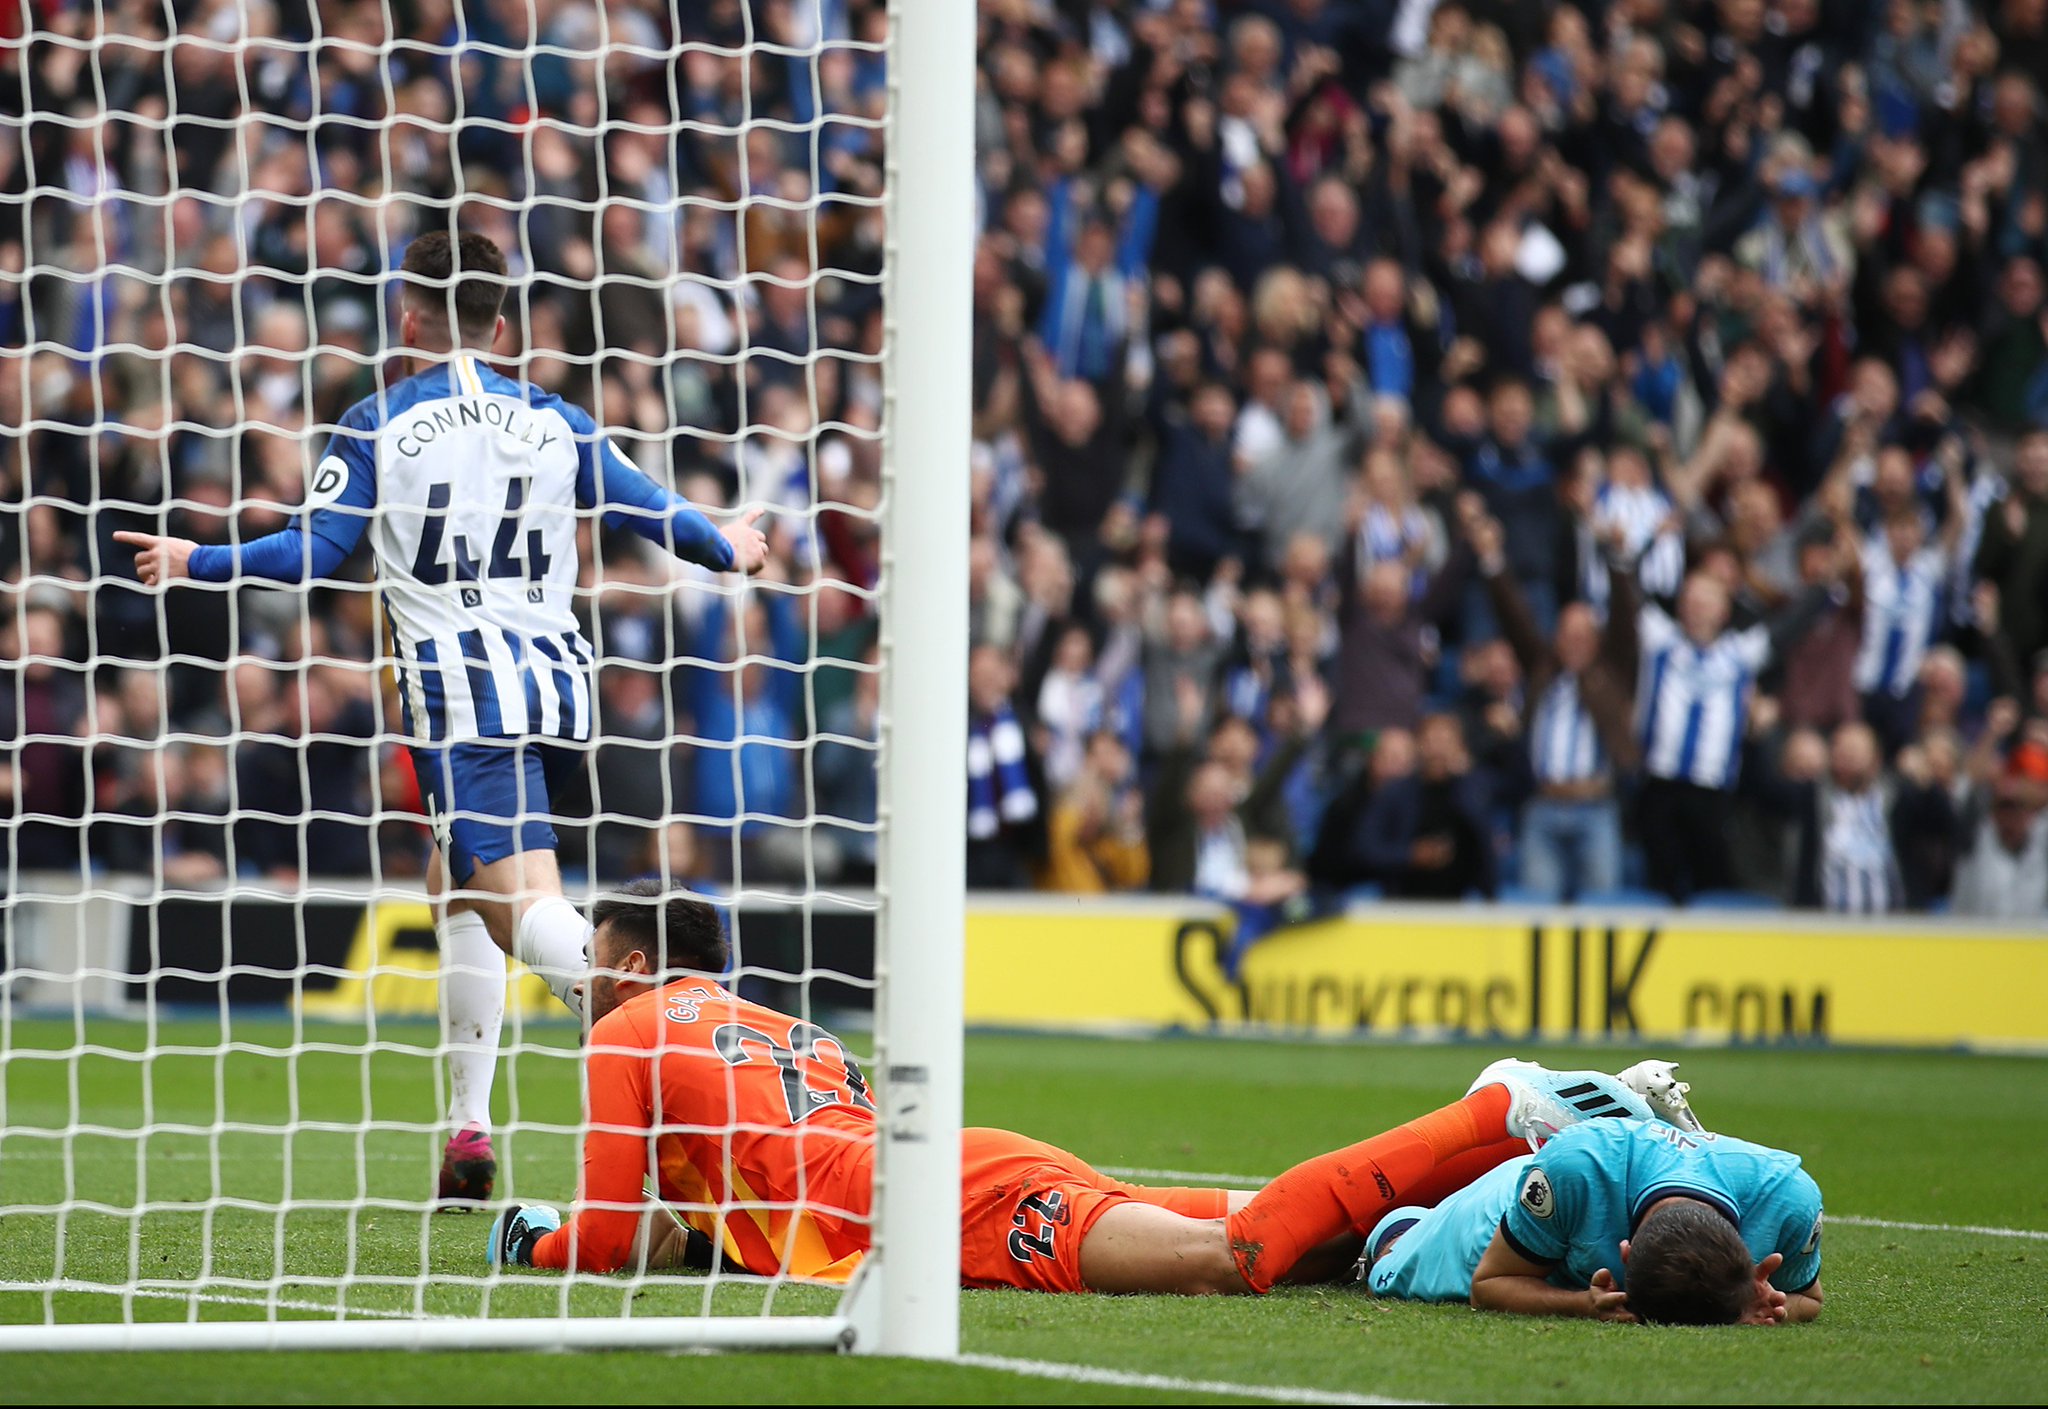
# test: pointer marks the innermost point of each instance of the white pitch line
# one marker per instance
(1189, 1176)
(2032, 1234)
(1037, 1369)
(1258, 1181)
(1171, 1384)
(375, 1313)
(204, 1156)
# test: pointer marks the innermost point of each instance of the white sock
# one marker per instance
(554, 941)
(472, 1013)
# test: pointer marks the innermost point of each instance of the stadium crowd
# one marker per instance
(1427, 449)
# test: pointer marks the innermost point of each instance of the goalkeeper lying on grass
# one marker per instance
(721, 1103)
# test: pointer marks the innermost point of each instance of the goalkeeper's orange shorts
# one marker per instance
(1025, 1207)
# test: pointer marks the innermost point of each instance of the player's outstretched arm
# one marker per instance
(1507, 1281)
(289, 556)
(607, 1228)
(608, 481)
(340, 495)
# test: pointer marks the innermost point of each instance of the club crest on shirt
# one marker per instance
(1536, 1195)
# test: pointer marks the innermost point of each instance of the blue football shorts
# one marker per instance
(492, 798)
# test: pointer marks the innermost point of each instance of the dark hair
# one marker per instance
(476, 265)
(1688, 1266)
(1817, 534)
(677, 932)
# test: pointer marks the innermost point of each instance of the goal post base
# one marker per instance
(824, 1333)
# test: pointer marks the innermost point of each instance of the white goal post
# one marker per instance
(126, 1213)
(922, 936)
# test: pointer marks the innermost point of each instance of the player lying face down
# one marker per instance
(757, 1130)
(1623, 1220)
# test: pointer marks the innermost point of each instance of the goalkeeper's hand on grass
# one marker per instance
(516, 1231)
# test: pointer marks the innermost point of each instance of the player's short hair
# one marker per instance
(1688, 1266)
(678, 933)
(476, 265)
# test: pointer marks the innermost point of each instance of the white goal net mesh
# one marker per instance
(223, 1083)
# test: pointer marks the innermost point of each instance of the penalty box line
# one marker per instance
(1850, 1220)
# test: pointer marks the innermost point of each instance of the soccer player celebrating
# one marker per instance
(759, 1130)
(470, 484)
(1623, 1220)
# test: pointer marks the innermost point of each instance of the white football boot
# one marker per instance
(1543, 1102)
(1657, 1083)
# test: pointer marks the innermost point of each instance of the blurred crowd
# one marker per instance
(195, 256)
(1544, 450)
(1547, 450)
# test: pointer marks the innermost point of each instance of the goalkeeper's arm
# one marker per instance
(606, 1229)
(665, 1241)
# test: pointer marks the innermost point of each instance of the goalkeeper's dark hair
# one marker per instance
(678, 933)
(477, 267)
(1688, 1266)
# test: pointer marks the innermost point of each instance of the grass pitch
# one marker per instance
(1913, 1313)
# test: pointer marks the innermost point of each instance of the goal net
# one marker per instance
(225, 1045)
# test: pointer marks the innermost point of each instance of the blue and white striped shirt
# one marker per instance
(471, 486)
(1659, 554)
(1387, 537)
(1564, 745)
(1900, 604)
(1692, 702)
(1858, 872)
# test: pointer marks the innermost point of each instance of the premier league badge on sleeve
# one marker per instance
(1536, 1195)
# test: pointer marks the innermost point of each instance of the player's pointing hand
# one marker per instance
(749, 544)
(158, 560)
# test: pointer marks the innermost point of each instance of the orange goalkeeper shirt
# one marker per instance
(755, 1127)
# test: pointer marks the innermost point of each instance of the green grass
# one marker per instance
(1912, 1315)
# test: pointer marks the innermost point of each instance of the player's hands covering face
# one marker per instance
(1767, 1307)
(1610, 1303)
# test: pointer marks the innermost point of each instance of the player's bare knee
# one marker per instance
(1208, 1268)
(1137, 1248)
